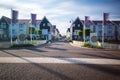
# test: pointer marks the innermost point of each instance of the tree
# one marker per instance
(80, 33)
(64, 36)
(31, 30)
(87, 32)
(39, 32)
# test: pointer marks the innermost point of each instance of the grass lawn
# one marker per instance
(34, 40)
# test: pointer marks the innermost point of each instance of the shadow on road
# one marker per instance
(101, 68)
(61, 76)
(36, 50)
(100, 56)
(54, 48)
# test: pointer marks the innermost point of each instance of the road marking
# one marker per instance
(59, 60)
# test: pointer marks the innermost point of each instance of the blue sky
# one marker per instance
(60, 12)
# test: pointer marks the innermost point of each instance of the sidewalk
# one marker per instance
(94, 48)
(7, 44)
(79, 46)
(75, 45)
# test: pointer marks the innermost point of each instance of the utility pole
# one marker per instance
(11, 28)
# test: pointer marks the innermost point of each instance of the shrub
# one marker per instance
(90, 46)
(21, 45)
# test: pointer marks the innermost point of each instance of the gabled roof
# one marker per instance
(57, 30)
(26, 21)
(8, 20)
(44, 18)
(68, 30)
(116, 22)
(54, 26)
(108, 22)
(38, 21)
(95, 22)
(77, 19)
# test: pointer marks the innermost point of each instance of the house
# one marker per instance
(76, 26)
(57, 34)
(24, 24)
(111, 30)
(20, 27)
(46, 28)
(54, 32)
(4, 28)
(68, 33)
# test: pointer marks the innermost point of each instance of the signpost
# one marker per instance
(21, 38)
(93, 39)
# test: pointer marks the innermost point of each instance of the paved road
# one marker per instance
(59, 71)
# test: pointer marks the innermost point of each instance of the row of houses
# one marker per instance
(8, 29)
(111, 29)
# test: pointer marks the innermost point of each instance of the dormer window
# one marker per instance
(43, 24)
(78, 25)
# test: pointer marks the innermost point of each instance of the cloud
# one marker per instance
(7, 4)
(62, 11)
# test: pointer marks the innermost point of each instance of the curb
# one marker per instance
(81, 46)
(75, 45)
(93, 48)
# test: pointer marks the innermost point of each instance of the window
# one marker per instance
(1, 31)
(48, 24)
(13, 31)
(78, 25)
(20, 25)
(100, 33)
(76, 32)
(44, 31)
(3, 25)
(5, 36)
(43, 24)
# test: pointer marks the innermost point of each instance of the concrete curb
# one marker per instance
(93, 48)
(35, 45)
(75, 45)
(79, 46)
